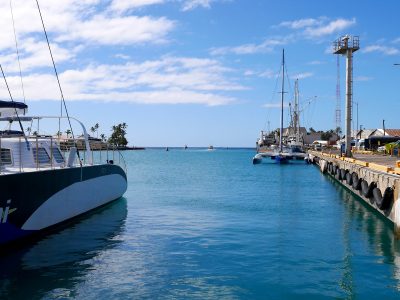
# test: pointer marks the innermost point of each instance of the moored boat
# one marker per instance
(43, 186)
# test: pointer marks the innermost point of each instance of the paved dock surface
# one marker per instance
(381, 159)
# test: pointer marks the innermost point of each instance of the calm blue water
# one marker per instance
(209, 225)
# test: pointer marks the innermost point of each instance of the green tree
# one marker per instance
(68, 132)
(117, 137)
(103, 137)
(325, 136)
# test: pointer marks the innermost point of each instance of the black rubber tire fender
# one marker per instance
(333, 170)
(356, 181)
(343, 174)
(349, 178)
(366, 190)
(385, 201)
(337, 173)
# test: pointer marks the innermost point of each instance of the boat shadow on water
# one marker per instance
(61, 258)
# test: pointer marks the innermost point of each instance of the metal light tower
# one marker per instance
(346, 45)
(338, 111)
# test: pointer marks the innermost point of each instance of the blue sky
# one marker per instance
(200, 72)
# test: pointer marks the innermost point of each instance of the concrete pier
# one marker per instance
(381, 176)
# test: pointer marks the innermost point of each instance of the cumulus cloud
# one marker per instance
(76, 25)
(124, 5)
(85, 21)
(267, 46)
(170, 80)
(192, 4)
(382, 49)
(297, 24)
(313, 28)
(302, 75)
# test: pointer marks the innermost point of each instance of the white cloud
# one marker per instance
(86, 21)
(122, 56)
(124, 5)
(269, 74)
(192, 4)
(327, 29)
(120, 31)
(314, 28)
(35, 54)
(302, 75)
(266, 46)
(382, 49)
(297, 24)
(396, 41)
(170, 80)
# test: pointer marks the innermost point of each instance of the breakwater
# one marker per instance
(377, 184)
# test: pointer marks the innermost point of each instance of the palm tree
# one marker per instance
(68, 132)
(96, 127)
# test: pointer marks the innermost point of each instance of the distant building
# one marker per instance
(387, 132)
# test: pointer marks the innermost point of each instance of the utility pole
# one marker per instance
(383, 123)
(346, 46)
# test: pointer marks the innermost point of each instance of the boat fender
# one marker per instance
(366, 190)
(323, 165)
(383, 202)
(356, 181)
(349, 178)
(343, 174)
(330, 168)
(333, 172)
(337, 173)
(71, 157)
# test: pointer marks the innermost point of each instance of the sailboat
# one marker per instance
(283, 153)
(43, 185)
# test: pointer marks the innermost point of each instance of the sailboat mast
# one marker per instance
(296, 111)
(282, 91)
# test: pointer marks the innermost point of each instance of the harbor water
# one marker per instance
(198, 224)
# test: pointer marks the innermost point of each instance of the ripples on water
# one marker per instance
(199, 224)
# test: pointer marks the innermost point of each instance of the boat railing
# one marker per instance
(21, 154)
(25, 153)
(100, 152)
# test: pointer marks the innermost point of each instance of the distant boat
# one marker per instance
(167, 149)
(210, 148)
(185, 147)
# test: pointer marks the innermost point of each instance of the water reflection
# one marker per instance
(377, 232)
(59, 261)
